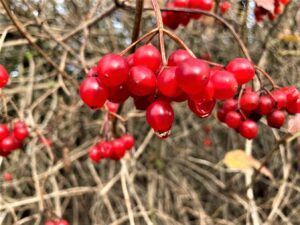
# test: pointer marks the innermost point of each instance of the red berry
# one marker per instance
(62, 222)
(4, 77)
(147, 56)
(141, 81)
(118, 149)
(280, 98)
(249, 101)
(112, 70)
(181, 98)
(224, 6)
(4, 131)
(230, 105)
(177, 57)
(225, 85)
(7, 176)
(276, 119)
(105, 149)
(294, 107)
(248, 129)
(265, 105)
(92, 93)
(221, 114)
(160, 116)
(20, 131)
(292, 94)
(192, 75)
(112, 107)
(170, 19)
(167, 82)
(285, 2)
(233, 119)
(206, 5)
(95, 154)
(9, 144)
(242, 69)
(50, 222)
(118, 94)
(207, 93)
(141, 103)
(203, 108)
(130, 61)
(128, 141)
(184, 18)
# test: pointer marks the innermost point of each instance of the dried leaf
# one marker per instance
(266, 4)
(239, 160)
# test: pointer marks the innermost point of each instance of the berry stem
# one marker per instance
(265, 74)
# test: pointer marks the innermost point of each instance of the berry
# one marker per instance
(130, 61)
(4, 131)
(285, 2)
(206, 5)
(4, 77)
(105, 149)
(170, 19)
(20, 131)
(225, 85)
(291, 94)
(167, 83)
(294, 107)
(230, 105)
(62, 222)
(184, 17)
(242, 69)
(207, 93)
(118, 94)
(224, 7)
(248, 129)
(112, 107)
(128, 141)
(118, 149)
(192, 75)
(160, 116)
(203, 108)
(50, 222)
(7, 176)
(276, 119)
(141, 81)
(147, 56)
(221, 114)
(9, 144)
(177, 57)
(95, 154)
(265, 105)
(92, 93)
(233, 119)
(112, 70)
(249, 101)
(280, 98)
(141, 103)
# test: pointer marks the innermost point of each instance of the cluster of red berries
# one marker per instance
(114, 149)
(4, 77)
(261, 13)
(173, 19)
(243, 114)
(11, 140)
(57, 222)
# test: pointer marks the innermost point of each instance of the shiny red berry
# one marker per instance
(130, 61)
(4, 77)
(177, 57)
(207, 93)
(248, 129)
(206, 5)
(192, 75)
(294, 107)
(20, 131)
(280, 98)
(167, 82)
(105, 149)
(291, 93)
(265, 105)
(118, 149)
(128, 141)
(202, 108)
(224, 7)
(233, 119)
(249, 101)
(285, 2)
(221, 114)
(112, 70)
(118, 94)
(9, 144)
(147, 56)
(225, 85)
(242, 69)
(170, 19)
(92, 93)
(141, 81)
(95, 154)
(230, 105)
(4, 131)
(276, 119)
(184, 18)
(160, 116)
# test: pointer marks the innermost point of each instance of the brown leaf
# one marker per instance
(266, 4)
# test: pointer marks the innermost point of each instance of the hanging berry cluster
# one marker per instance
(243, 115)
(11, 140)
(114, 149)
(261, 13)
